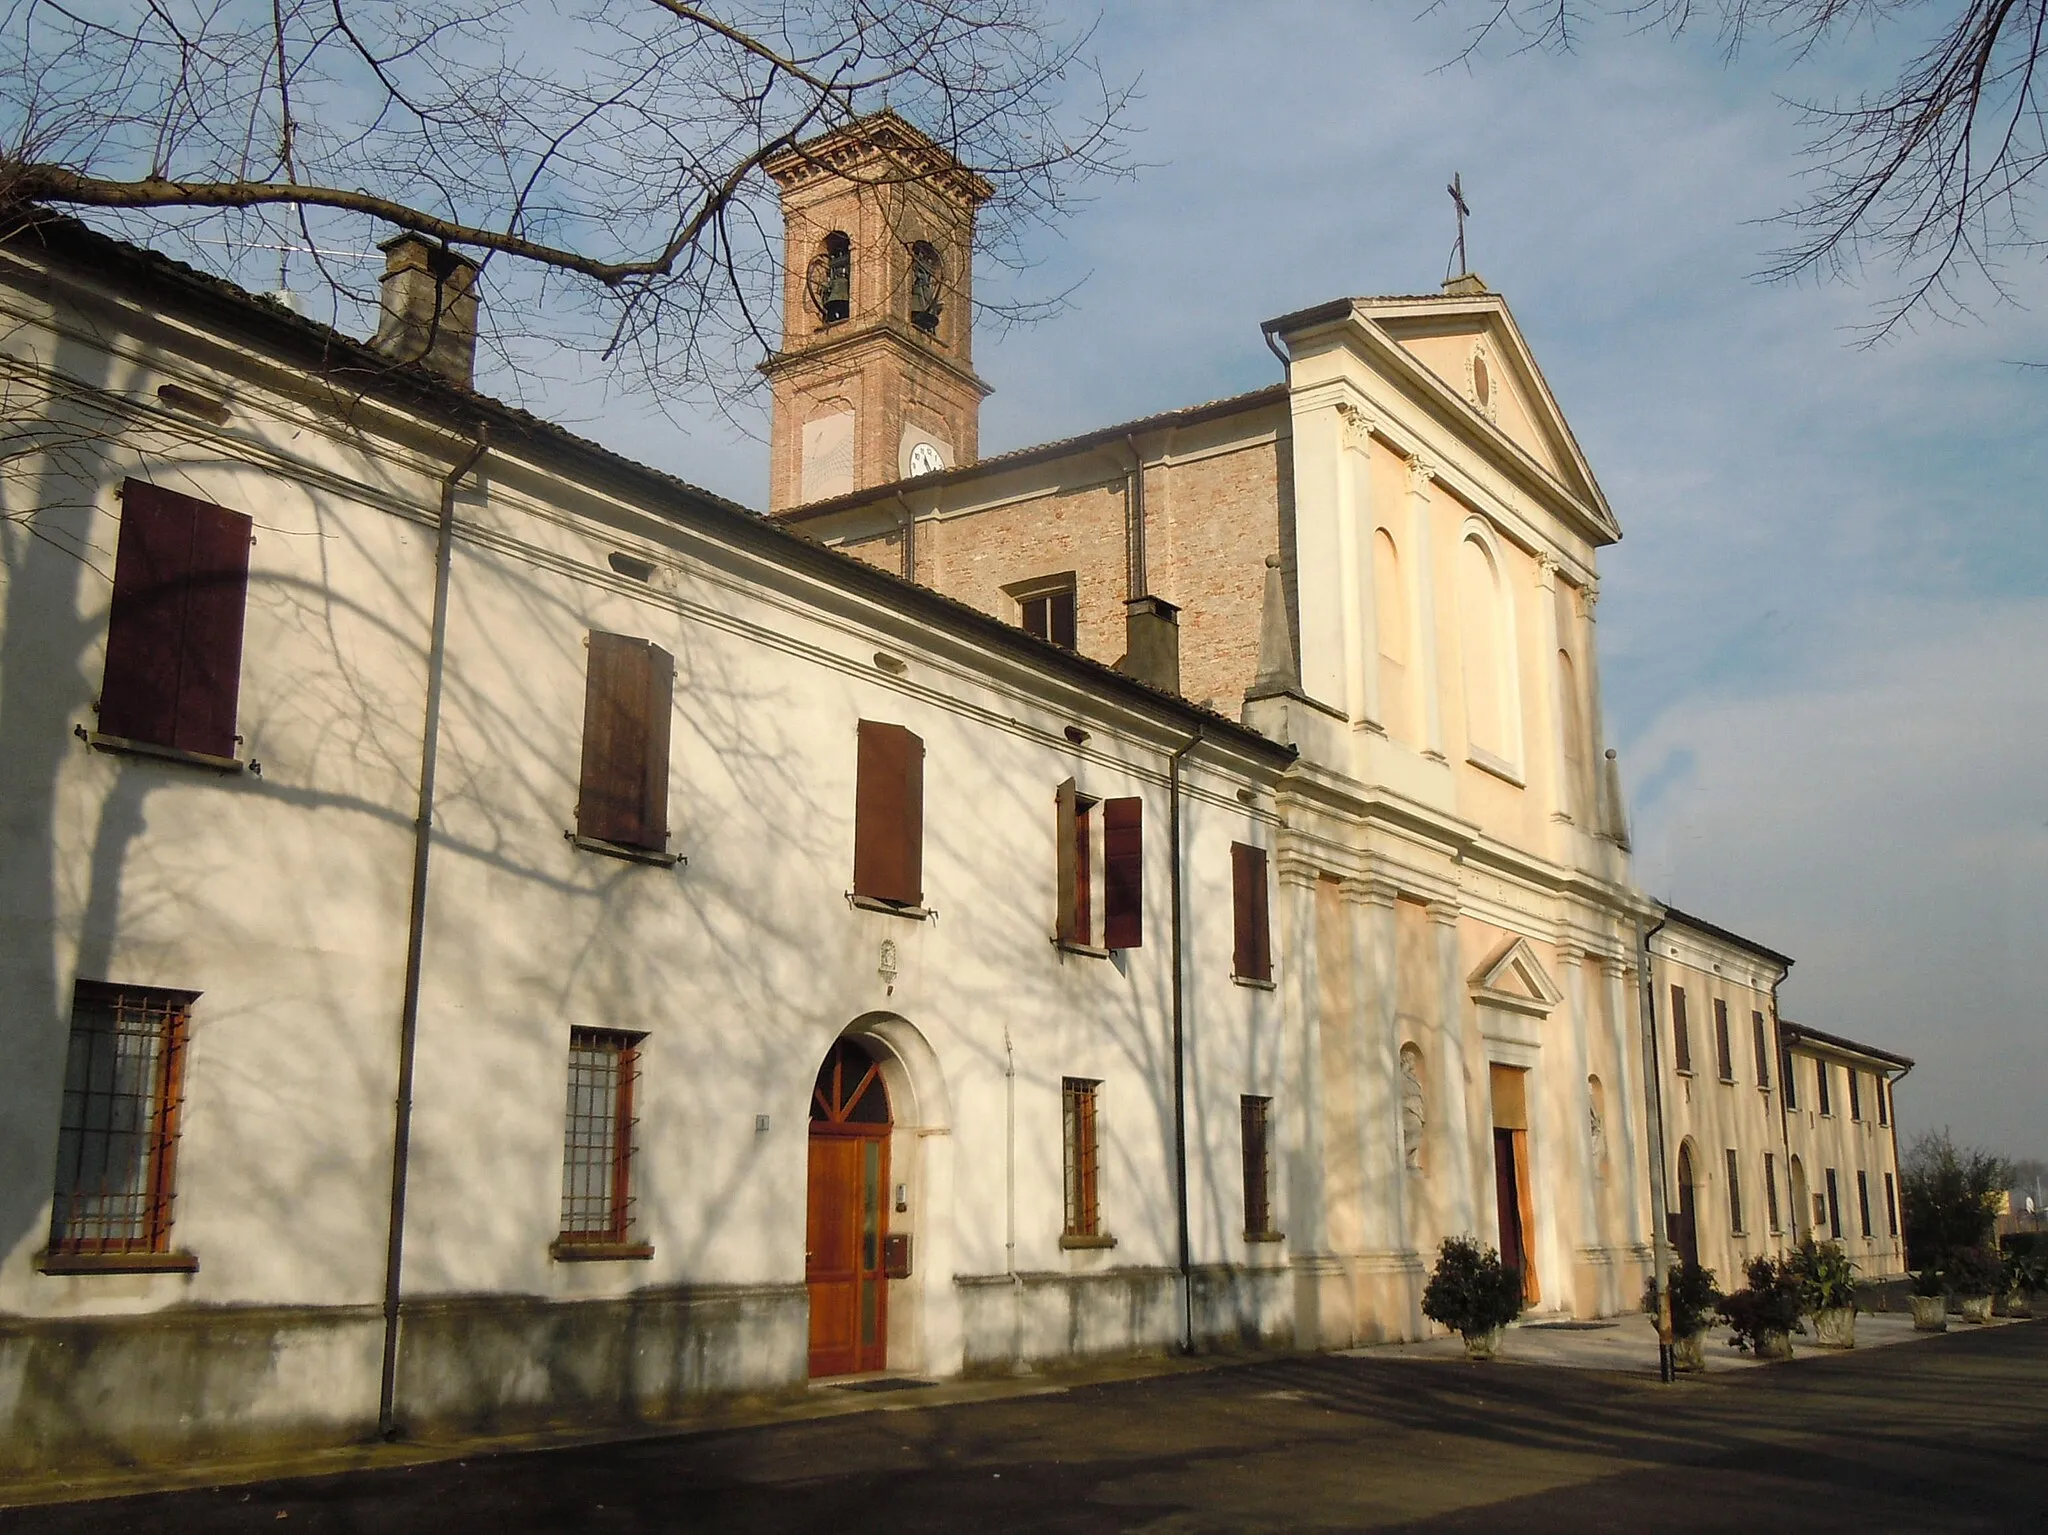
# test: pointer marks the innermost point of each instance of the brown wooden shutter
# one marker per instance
(174, 632)
(627, 701)
(888, 815)
(1123, 873)
(1252, 953)
(1681, 1035)
(1067, 861)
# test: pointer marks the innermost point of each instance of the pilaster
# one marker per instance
(1461, 1207)
(1370, 902)
(1629, 1149)
(1421, 474)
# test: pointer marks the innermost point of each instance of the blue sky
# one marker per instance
(1825, 634)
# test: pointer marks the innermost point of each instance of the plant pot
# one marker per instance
(1974, 1308)
(1689, 1353)
(1481, 1345)
(1930, 1313)
(1774, 1345)
(2014, 1303)
(1835, 1327)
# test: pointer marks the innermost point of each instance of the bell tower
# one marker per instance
(875, 380)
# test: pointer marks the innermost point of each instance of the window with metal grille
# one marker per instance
(1254, 1115)
(597, 1140)
(1084, 1216)
(1681, 1034)
(117, 1139)
(1863, 1203)
(1763, 1051)
(1734, 1192)
(1724, 1052)
(1891, 1205)
(1771, 1190)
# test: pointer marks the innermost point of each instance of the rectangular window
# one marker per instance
(1681, 1034)
(1771, 1190)
(1724, 1050)
(1255, 1115)
(628, 697)
(888, 815)
(174, 630)
(597, 1144)
(1761, 1044)
(1883, 1087)
(1734, 1192)
(117, 1136)
(1855, 1093)
(1790, 1078)
(1863, 1203)
(1123, 873)
(1834, 1207)
(1891, 1205)
(1252, 949)
(1073, 836)
(1821, 1094)
(1050, 615)
(1084, 1218)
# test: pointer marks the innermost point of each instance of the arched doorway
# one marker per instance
(1802, 1223)
(847, 1213)
(1685, 1238)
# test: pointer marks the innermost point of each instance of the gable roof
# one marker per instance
(1514, 978)
(1799, 1033)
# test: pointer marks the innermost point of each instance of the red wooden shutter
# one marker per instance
(1123, 873)
(174, 632)
(888, 815)
(1252, 955)
(627, 697)
(1067, 861)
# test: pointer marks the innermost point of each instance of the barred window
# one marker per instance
(117, 1140)
(1256, 1115)
(1084, 1218)
(597, 1143)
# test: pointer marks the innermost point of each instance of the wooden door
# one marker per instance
(847, 1216)
(1507, 1193)
(1686, 1238)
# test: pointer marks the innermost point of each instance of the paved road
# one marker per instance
(1948, 1434)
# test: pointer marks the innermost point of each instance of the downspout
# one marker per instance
(1180, 1065)
(1660, 1236)
(415, 937)
(1135, 572)
(1897, 1207)
(909, 538)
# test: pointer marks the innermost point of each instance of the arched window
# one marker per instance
(1390, 617)
(1482, 632)
(926, 278)
(1572, 722)
(830, 279)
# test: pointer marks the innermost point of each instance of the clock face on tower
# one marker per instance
(925, 459)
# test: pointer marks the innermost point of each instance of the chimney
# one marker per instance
(429, 304)
(1152, 643)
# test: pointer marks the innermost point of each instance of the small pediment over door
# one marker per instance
(1514, 980)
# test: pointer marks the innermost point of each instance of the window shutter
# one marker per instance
(1252, 955)
(1067, 861)
(174, 631)
(1680, 1034)
(888, 815)
(627, 699)
(1123, 873)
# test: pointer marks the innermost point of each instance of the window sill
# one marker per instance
(891, 908)
(1682, 1071)
(1499, 767)
(563, 1251)
(1726, 1081)
(121, 746)
(1265, 1236)
(620, 850)
(117, 1263)
(1086, 950)
(1072, 1242)
(1254, 982)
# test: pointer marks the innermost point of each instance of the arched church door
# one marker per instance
(1802, 1217)
(848, 1214)
(1685, 1238)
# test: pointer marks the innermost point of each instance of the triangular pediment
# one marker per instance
(1471, 346)
(1514, 978)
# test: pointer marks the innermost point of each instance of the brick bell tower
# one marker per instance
(875, 381)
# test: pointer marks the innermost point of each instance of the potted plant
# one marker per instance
(2024, 1274)
(1765, 1312)
(1473, 1293)
(1975, 1274)
(1827, 1291)
(1930, 1300)
(1693, 1298)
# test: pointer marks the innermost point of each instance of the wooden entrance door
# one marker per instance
(847, 1215)
(1507, 1193)
(1685, 1236)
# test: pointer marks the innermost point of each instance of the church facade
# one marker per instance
(493, 937)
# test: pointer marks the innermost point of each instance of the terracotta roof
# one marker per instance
(1800, 1031)
(1186, 415)
(344, 358)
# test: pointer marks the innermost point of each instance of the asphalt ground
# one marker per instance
(1948, 1434)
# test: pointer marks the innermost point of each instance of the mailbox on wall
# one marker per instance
(896, 1255)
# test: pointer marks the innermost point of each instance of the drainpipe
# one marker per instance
(1135, 573)
(409, 1012)
(1660, 1237)
(1180, 1067)
(909, 538)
